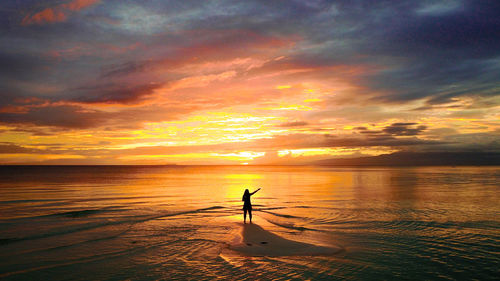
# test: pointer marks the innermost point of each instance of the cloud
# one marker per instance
(204, 46)
(270, 146)
(48, 15)
(444, 55)
(11, 148)
(301, 141)
(437, 8)
(201, 80)
(404, 129)
(294, 124)
(472, 28)
(391, 132)
(118, 67)
(114, 93)
(65, 116)
(473, 142)
(57, 13)
(77, 5)
(14, 65)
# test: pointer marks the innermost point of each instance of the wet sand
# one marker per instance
(253, 240)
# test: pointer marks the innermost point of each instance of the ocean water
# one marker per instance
(174, 222)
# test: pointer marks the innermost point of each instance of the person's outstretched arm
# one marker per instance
(254, 192)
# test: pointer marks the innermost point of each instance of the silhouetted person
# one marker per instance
(247, 205)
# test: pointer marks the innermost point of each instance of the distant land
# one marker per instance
(394, 159)
(419, 159)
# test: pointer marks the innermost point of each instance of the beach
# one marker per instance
(309, 222)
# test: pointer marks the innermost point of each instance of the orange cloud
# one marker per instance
(57, 13)
(47, 15)
(77, 5)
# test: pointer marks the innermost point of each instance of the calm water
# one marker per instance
(147, 223)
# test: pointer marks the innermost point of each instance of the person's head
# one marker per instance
(247, 192)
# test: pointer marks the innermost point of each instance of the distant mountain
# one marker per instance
(419, 159)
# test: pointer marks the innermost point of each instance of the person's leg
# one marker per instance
(244, 215)
(250, 214)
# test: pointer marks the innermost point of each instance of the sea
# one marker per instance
(176, 222)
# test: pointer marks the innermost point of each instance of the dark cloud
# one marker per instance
(393, 130)
(440, 56)
(21, 66)
(72, 115)
(473, 142)
(65, 116)
(125, 68)
(294, 124)
(388, 141)
(296, 141)
(35, 131)
(10, 148)
(123, 94)
(404, 129)
(475, 29)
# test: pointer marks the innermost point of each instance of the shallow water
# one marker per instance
(148, 223)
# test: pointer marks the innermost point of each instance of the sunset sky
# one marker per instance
(245, 82)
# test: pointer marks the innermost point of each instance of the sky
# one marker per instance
(245, 82)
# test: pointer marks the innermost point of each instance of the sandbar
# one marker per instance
(256, 241)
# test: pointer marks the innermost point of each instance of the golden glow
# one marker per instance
(238, 121)
(237, 183)
(224, 158)
(312, 100)
(281, 87)
(243, 176)
(240, 156)
(297, 107)
(369, 151)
